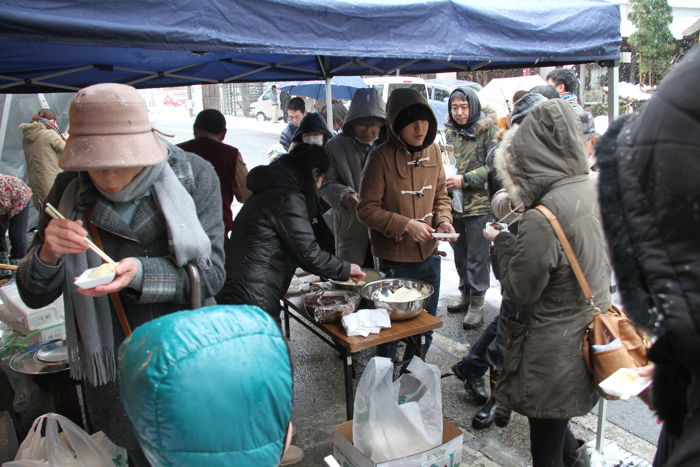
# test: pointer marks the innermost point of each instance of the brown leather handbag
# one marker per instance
(605, 327)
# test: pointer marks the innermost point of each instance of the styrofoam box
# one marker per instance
(448, 454)
(23, 319)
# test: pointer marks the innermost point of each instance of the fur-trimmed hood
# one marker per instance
(480, 119)
(544, 149)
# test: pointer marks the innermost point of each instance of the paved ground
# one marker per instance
(319, 397)
(319, 389)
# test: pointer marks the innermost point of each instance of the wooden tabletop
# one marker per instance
(399, 329)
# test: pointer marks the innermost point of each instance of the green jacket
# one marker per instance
(470, 151)
(542, 162)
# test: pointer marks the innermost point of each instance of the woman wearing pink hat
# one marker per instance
(154, 208)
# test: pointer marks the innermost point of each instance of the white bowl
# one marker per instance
(624, 383)
(84, 282)
(493, 231)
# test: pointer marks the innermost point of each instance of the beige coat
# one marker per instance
(542, 161)
(391, 169)
(42, 148)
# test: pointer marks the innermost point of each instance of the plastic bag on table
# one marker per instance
(66, 444)
(394, 419)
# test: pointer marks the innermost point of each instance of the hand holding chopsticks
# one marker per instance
(53, 212)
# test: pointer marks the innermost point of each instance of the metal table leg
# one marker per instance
(285, 312)
(348, 385)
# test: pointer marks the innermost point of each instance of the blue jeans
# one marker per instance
(426, 271)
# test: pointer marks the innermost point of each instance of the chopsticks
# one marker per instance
(53, 212)
(9, 267)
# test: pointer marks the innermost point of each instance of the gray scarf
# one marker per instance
(88, 320)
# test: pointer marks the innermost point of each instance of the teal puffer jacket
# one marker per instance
(211, 386)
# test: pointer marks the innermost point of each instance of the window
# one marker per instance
(379, 88)
(440, 94)
(417, 86)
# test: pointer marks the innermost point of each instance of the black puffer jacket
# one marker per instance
(650, 197)
(273, 235)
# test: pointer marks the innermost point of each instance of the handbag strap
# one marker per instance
(568, 251)
(113, 297)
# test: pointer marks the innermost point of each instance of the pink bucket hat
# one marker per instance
(109, 129)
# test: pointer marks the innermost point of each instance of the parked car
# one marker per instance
(262, 107)
(440, 89)
(386, 84)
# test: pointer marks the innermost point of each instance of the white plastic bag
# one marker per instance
(69, 447)
(395, 419)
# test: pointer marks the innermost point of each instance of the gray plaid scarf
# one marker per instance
(89, 329)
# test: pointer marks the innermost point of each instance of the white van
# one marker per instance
(262, 108)
(386, 84)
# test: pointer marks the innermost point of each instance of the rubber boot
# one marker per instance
(461, 306)
(484, 417)
(475, 314)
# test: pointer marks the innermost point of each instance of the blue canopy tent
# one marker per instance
(63, 45)
(55, 45)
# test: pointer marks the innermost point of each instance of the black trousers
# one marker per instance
(549, 439)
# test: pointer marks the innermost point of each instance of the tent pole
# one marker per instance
(329, 104)
(613, 94)
(3, 121)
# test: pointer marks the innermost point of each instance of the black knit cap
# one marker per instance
(411, 114)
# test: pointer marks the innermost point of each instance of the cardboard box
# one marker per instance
(23, 319)
(448, 454)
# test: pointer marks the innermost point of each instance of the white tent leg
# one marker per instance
(600, 431)
(613, 94)
(329, 104)
(3, 121)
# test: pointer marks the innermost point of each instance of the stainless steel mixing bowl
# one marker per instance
(379, 291)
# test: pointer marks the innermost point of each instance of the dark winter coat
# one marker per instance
(313, 122)
(273, 235)
(166, 287)
(542, 162)
(650, 197)
(286, 135)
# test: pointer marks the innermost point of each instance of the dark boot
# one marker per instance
(579, 457)
(461, 306)
(475, 313)
(483, 418)
(472, 383)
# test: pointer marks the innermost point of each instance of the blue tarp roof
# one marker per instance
(54, 45)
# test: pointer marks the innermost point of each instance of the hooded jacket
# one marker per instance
(542, 162)
(313, 122)
(649, 168)
(347, 157)
(272, 235)
(398, 186)
(42, 148)
(195, 395)
(472, 143)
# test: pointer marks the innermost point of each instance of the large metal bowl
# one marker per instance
(379, 292)
(370, 276)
